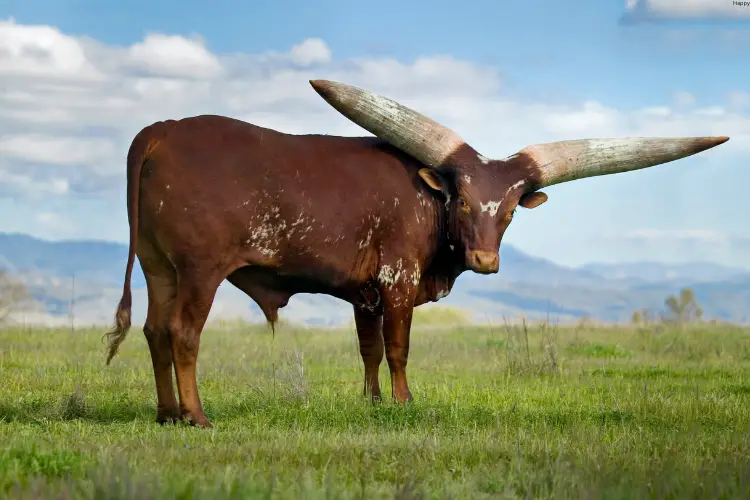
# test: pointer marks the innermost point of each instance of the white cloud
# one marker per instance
(16, 184)
(59, 150)
(42, 51)
(739, 100)
(174, 56)
(54, 223)
(683, 99)
(311, 51)
(647, 10)
(77, 103)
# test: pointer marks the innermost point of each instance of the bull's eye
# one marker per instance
(463, 206)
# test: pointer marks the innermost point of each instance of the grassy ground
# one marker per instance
(498, 413)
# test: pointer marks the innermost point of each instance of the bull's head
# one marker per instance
(480, 194)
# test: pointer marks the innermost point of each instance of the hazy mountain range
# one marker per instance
(526, 285)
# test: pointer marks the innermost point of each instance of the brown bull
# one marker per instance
(385, 223)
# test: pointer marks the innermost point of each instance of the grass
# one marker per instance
(499, 412)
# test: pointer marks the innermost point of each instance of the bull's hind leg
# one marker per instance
(370, 334)
(161, 293)
(195, 294)
(161, 283)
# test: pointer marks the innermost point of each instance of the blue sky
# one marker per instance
(502, 74)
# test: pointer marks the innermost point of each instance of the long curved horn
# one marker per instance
(563, 161)
(413, 133)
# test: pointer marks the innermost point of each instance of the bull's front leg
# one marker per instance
(398, 308)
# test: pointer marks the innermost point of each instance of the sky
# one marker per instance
(79, 78)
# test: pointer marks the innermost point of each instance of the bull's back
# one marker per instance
(243, 153)
(228, 178)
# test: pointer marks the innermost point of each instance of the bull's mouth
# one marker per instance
(483, 261)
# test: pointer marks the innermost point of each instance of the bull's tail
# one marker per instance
(138, 154)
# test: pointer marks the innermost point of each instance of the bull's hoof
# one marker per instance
(196, 419)
(403, 399)
(373, 396)
(166, 416)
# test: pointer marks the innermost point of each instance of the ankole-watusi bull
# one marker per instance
(385, 223)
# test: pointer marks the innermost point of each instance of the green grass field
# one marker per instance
(570, 413)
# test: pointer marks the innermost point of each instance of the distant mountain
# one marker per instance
(653, 272)
(99, 261)
(526, 286)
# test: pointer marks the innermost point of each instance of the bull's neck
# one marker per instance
(443, 251)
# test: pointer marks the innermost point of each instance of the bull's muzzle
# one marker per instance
(484, 262)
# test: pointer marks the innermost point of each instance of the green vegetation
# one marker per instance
(434, 315)
(500, 412)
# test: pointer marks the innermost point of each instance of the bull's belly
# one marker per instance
(272, 288)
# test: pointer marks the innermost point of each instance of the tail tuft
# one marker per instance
(120, 330)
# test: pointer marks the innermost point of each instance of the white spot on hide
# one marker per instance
(388, 276)
(415, 275)
(366, 241)
(371, 223)
(514, 186)
(492, 206)
(265, 234)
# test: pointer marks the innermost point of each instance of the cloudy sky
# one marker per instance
(79, 78)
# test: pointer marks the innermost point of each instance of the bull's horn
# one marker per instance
(563, 161)
(415, 134)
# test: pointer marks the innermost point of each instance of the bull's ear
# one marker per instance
(532, 200)
(432, 179)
